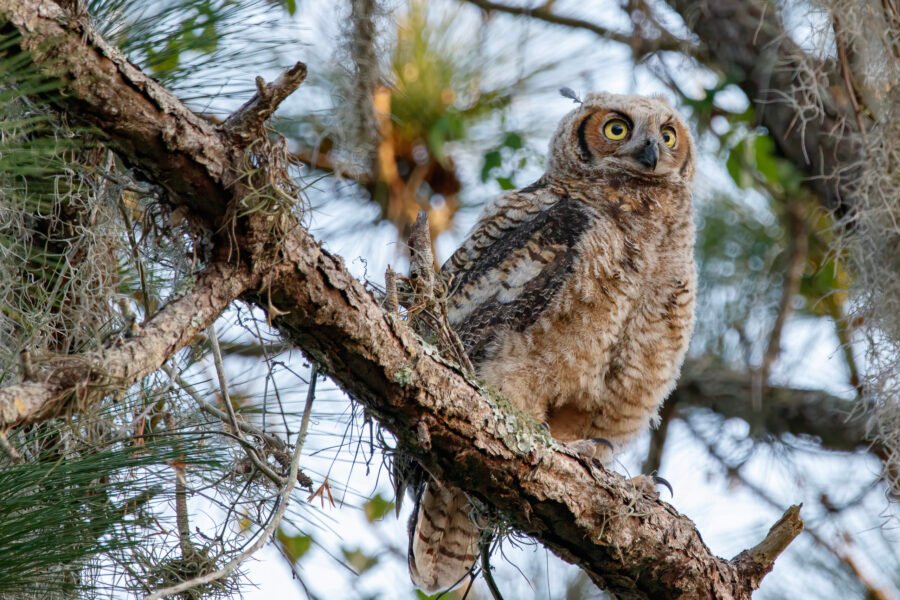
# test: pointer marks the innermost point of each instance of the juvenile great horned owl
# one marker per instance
(574, 297)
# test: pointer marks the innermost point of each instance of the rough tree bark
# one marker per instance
(631, 544)
(69, 381)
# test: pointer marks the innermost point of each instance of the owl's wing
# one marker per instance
(512, 266)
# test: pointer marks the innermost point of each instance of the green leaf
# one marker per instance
(506, 183)
(737, 164)
(766, 162)
(164, 60)
(492, 160)
(513, 140)
(377, 508)
(359, 560)
(291, 6)
(295, 546)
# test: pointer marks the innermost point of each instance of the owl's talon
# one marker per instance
(597, 450)
(664, 482)
(646, 484)
(605, 442)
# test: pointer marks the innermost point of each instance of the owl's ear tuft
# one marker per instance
(567, 92)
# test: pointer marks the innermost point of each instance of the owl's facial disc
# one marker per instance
(616, 136)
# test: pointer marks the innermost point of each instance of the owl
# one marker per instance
(574, 298)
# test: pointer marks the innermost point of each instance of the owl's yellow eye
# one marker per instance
(668, 137)
(615, 130)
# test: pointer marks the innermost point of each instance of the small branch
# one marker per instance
(307, 408)
(641, 46)
(321, 160)
(836, 422)
(220, 373)
(428, 308)
(90, 377)
(493, 588)
(282, 502)
(757, 561)
(230, 418)
(182, 519)
(206, 407)
(391, 302)
(246, 123)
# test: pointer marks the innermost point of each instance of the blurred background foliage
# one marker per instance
(463, 104)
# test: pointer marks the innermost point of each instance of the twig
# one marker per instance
(182, 519)
(232, 417)
(307, 408)
(428, 310)
(220, 373)
(391, 302)
(267, 532)
(209, 408)
(667, 41)
(485, 547)
(320, 160)
(246, 123)
(226, 399)
(242, 426)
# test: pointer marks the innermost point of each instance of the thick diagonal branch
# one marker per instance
(633, 545)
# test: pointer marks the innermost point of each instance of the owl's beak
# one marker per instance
(648, 155)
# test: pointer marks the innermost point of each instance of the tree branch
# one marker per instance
(282, 500)
(837, 423)
(639, 44)
(91, 376)
(629, 543)
(247, 122)
(801, 100)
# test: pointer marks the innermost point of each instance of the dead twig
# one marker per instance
(246, 123)
(274, 522)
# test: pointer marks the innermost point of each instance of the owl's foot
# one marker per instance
(647, 484)
(593, 450)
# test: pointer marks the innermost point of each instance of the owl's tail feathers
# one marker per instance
(443, 541)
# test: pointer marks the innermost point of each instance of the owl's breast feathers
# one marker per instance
(512, 267)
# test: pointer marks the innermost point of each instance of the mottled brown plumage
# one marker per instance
(574, 297)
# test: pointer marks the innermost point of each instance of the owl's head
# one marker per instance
(616, 136)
